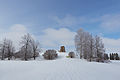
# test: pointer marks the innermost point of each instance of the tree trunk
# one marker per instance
(2, 55)
(34, 57)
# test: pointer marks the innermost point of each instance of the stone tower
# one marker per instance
(62, 49)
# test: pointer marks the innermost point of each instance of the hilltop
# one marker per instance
(61, 68)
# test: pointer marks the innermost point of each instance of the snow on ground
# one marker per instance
(60, 69)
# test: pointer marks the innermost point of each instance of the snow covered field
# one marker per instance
(60, 69)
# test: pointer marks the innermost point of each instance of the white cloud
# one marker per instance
(18, 28)
(69, 20)
(110, 22)
(13, 33)
(112, 45)
(54, 38)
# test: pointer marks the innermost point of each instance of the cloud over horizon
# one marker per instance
(110, 23)
(53, 38)
(111, 45)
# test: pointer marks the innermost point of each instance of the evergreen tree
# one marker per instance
(110, 56)
(106, 56)
(117, 57)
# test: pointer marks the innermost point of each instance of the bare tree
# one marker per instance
(26, 43)
(99, 47)
(10, 49)
(88, 46)
(2, 48)
(7, 49)
(92, 47)
(30, 47)
(36, 48)
(82, 43)
(79, 42)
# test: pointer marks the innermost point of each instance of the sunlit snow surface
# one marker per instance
(60, 69)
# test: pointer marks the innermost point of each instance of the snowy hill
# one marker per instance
(60, 69)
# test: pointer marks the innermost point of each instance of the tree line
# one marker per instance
(29, 49)
(114, 56)
(91, 47)
(88, 46)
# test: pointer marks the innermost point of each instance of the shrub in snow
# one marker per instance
(106, 57)
(50, 54)
(71, 54)
(99, 60)
(21, 54)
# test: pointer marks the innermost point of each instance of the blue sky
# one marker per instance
(39, 17)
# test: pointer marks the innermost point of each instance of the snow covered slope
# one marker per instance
(60, 69)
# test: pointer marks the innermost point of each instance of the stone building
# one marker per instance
(62, 49)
